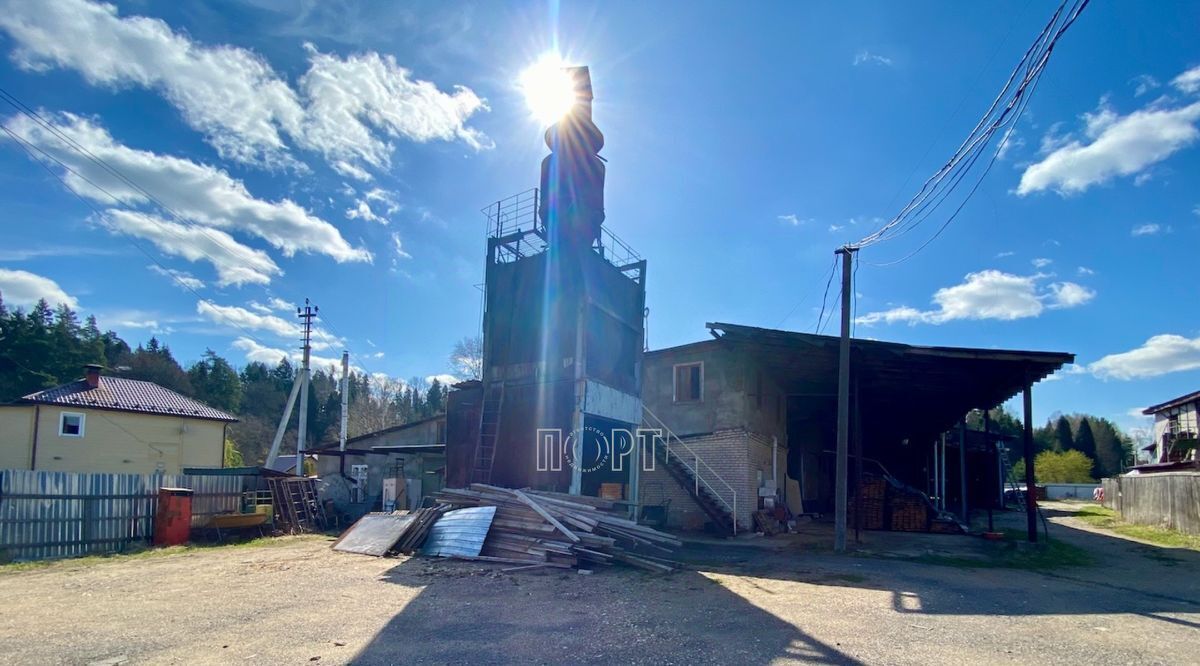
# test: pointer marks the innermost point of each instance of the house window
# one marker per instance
(70, 424)
(689, 382)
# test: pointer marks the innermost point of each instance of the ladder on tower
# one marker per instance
(489, 433)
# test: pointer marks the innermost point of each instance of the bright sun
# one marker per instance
(548, 89)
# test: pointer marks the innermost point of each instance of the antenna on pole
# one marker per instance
(299, 386)
(306, 315)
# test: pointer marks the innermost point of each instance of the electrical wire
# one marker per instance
(825, 297)
(1003, 113)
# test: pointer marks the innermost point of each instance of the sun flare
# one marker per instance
(548, 88)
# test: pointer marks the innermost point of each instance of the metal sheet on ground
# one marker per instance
(374, 534)
(460, 532)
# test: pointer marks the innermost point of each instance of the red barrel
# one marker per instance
(173, 520)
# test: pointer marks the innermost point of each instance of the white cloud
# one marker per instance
(177, 277)
(362, 211)
(398, 246)
(230, 94)
(1068, 295)
(1143, 84)
(196, 192)
(280, 304)
(346, 109)
(1136, 412)
(1189, 81)
(256, 351)
(1085, 271)
(1041, 262)
(834, 228)
(350, 171)
(867, 58)
(1150, 229)
(1159, 355)
(988, 294)
(1120, 146)
(23, 289)
(444, 380)
(241, 318)
(235, 264)
(794, 220)
(353, 100)
(1006, 253)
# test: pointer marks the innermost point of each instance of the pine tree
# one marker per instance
(1085, 441)
(1063, 441)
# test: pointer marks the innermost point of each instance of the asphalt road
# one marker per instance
(297, 602)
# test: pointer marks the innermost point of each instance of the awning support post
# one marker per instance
(962, 471)
(1030, 484)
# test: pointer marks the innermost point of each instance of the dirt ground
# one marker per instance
(756, 601)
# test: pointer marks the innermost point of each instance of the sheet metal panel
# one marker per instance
(67, 514)
(374, 533)
(460, 532)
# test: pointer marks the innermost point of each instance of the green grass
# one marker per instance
(1013, 553)
(1108, 519)
(140, 551)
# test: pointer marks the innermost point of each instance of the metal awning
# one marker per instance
(917, 391)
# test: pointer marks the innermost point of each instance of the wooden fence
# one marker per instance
(1169, 499)
(46, 515)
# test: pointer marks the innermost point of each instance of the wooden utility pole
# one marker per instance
(843, 406)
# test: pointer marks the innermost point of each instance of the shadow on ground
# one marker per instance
(740, 603)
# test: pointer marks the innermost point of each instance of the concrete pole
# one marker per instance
(843, 408)
(303, 435)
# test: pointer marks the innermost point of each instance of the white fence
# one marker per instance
(66, 514)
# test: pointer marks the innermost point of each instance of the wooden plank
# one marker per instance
(545, 514)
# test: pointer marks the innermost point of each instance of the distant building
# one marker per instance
(393, 468)
(111, 424)
(1175, 428)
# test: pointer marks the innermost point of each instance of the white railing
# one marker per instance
(696, 465)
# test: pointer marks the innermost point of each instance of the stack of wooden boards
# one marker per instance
(890, 505)
(556, 530)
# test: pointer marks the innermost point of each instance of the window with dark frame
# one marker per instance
(689, 379)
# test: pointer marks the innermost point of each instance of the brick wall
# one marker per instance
(736, 456)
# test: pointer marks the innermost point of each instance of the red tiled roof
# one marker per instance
(127, 395)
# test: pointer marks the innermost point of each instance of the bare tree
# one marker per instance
(466, 359)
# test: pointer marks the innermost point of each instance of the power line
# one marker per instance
(1004, 112)
(832, 270)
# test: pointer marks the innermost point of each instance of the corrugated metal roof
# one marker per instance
(127, 395)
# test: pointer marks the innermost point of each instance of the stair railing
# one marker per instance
(696, 466)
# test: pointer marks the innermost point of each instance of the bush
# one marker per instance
(1066, 467)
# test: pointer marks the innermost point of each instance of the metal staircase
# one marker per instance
(712, 493)
(489, 432)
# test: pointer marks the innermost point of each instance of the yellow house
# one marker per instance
(111, 424)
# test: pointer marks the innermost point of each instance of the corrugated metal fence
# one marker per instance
(1168, 499)
(65, 514)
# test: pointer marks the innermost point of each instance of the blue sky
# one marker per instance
(342, 152)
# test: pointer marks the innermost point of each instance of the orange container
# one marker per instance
(173, 520)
